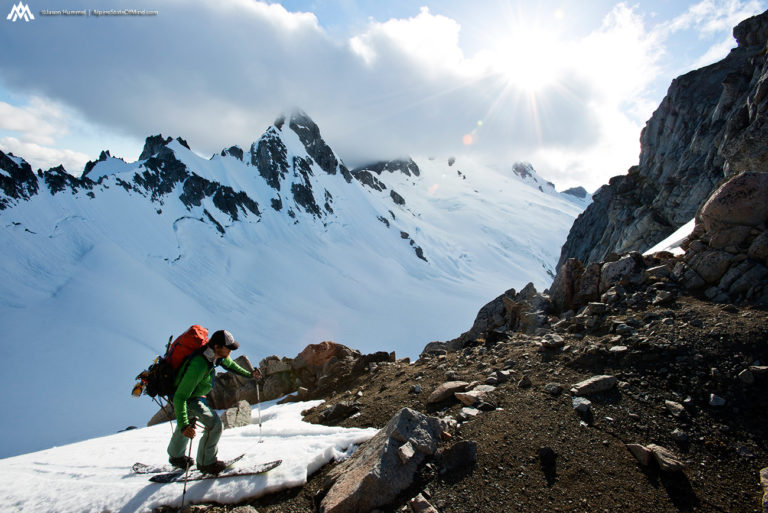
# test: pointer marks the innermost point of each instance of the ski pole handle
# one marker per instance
(189, 430)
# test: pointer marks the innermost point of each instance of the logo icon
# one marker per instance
(20, 11)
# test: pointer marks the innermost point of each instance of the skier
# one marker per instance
(192, 384)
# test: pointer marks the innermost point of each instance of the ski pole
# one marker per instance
(192, 422)
(258, 399)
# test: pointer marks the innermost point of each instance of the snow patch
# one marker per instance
(672, 243)
(95, 476)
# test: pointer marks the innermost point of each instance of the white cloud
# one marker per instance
(39, 121)
(712, 16)
(217, 73)
(431, 40)
(43, 157)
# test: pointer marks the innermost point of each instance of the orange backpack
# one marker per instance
(186, 344)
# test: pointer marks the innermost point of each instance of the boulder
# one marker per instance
(230, 387)
(641, 453)
(563, 288)
(675, 408)
(475, 395)
(273, 365)
(446, 390)
(730, 237)
(629, 269)
(461, 455)
(164, 414)
(711, 265)
(594, 385)
(758, 250)
(764, 484)
(315, 356)
(278, 385)
(419, 504)
(739, 201)
(339, 412)
(375, 474)
(581, 404)
(666, 459)
(237, 416)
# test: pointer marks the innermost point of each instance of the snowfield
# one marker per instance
(95, 476)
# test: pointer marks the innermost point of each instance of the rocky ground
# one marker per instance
(690, 378)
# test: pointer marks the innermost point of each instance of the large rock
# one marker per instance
(575, 285)
(237, 416)
(315, 356)
(764, 484)
(475, 395)
(594, 385)
(273, 365)
(446, 390)
(164, 414)
(629, 269)
(375, 474)
(667, 460)
(711, 265)
(229, 387)
(739, 201)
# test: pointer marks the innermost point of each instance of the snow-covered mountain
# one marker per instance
(281, 244)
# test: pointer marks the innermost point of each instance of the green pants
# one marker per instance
(207, 449)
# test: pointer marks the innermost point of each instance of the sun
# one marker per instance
(528, 59)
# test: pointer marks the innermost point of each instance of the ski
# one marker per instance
(143, 468)
(196, 475)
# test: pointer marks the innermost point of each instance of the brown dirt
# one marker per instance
(699, 349)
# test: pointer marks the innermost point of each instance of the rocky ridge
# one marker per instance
(652, 409)
(634, 383)
(710, 125)
(627, 386)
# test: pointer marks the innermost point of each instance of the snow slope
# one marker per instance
(98, 275)
(94, 476)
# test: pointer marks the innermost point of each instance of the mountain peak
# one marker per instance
(154, 143)
(526, 173)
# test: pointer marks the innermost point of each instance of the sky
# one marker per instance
(562, 84)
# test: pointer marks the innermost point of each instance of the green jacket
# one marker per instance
(196, 380)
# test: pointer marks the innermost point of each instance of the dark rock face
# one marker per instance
(92, 163)
(270, 157)
(399, 200)
(366, 178)
(57, 179)
(577, 192)
(711, 124)
(309, 134)
(233, 151)
(153, 145)
(406, 167)
(164, 171)
(20, 185)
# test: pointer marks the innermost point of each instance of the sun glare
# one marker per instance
(528, 59)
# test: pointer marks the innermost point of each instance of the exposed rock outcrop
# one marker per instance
(376, 472)
(711, 124)
(237, 416)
